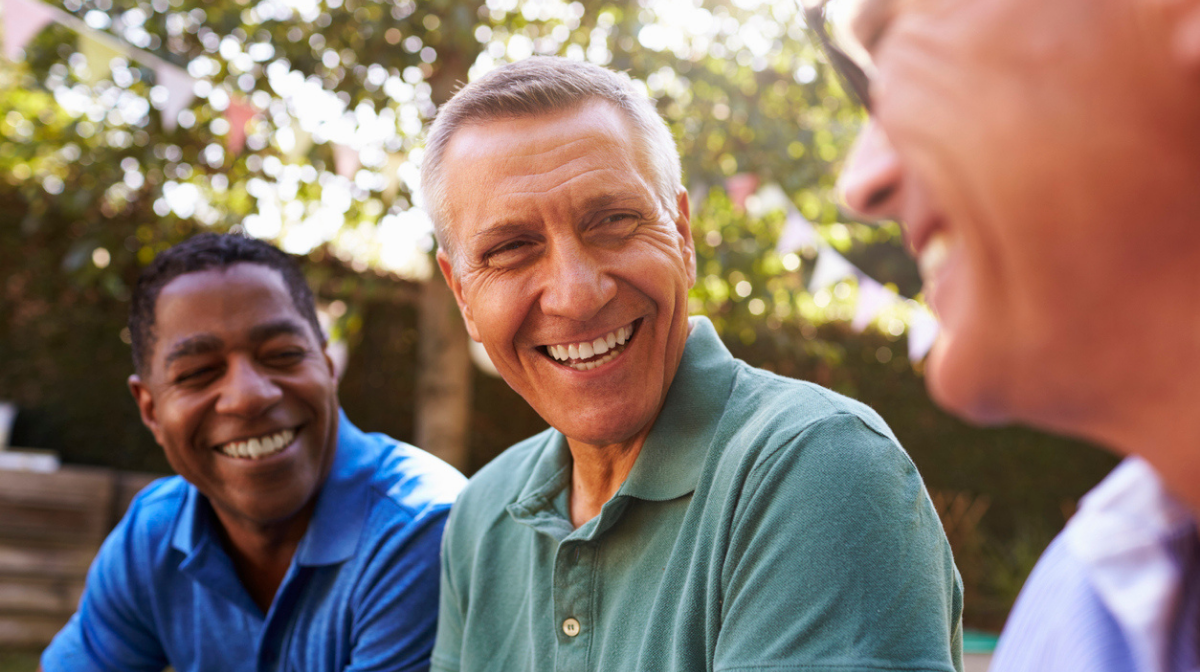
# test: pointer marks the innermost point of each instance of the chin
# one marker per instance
(960, 386)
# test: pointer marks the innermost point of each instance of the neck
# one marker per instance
(597, 472)
(262, 554)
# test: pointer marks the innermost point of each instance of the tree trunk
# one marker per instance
(443, 413)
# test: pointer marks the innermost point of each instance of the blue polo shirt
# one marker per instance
(361, 592)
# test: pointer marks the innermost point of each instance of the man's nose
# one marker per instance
(246, 390)
(870, 182)
(576, 285)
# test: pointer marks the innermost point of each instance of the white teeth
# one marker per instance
(933, 256)
(605, 345)
(259, 447)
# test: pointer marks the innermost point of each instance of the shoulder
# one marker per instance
(774, 424)
(152, 512)
(501, 481)
(405, 478)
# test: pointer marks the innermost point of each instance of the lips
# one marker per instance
(587, 355)
(258, 447)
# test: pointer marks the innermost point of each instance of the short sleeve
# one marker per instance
(396, 618)
(113, 630)
(837, 561)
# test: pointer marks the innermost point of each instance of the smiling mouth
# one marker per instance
(259, 447)
(587, 355)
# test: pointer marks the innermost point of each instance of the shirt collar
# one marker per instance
(1127, 533)
(672, 457)
(338, 517)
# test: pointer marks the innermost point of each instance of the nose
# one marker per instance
(246, 391)
(577, 285)
(870, 182)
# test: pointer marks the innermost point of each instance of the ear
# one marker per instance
(145, 403)
(447, 267)
(683, 224)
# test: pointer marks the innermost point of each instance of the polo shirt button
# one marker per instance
(571, 627)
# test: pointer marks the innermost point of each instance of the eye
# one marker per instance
(196, 376)
(509, 253)
(615, 225)
(286, 357)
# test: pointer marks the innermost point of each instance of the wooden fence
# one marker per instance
(51, 526)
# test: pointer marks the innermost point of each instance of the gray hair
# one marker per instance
(543, 85)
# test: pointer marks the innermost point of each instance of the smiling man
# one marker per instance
(685, 511)
(290, 539)
(1044, 158)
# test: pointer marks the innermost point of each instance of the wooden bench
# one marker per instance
(51, 525)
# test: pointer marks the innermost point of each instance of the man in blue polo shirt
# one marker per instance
(290, 539)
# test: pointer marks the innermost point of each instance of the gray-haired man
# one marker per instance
(685, 511)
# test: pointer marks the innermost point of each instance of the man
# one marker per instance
(1044, 158)
(685, 511)
(290, 540)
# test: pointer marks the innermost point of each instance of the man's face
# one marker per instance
(239, 393)
(1025, 145)
(560, 242)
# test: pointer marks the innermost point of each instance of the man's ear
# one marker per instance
(683, 223)
(447, 267)
(145, 403)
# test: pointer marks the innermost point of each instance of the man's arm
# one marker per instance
(396, 619)
(838, 561)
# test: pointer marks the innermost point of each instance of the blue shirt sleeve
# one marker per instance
(837, 561)
(396, 615)
(113, 630)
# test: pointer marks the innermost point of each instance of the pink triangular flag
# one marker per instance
(179, 86)
(797, 233)
(831, 268)
(345, 160)
(872, 299)
(922, 333)
(22, 20)
(238, 114)
(740, 187)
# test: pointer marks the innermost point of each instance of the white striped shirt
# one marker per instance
(1117, 591)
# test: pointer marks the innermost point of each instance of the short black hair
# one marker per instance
(204, 252)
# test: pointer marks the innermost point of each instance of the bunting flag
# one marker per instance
(238, 114)
(922, 332)
(798, 233)
(345, 160)
(99, 55)
(740, 187)
(873, 298)
(831, 268)
(179, 86)
(22, 20)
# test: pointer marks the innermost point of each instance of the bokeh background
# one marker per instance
(300, 121)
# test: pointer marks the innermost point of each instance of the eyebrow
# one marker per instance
(204, 344)
(504, 229)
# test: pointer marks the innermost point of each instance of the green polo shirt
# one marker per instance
(768, 524)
